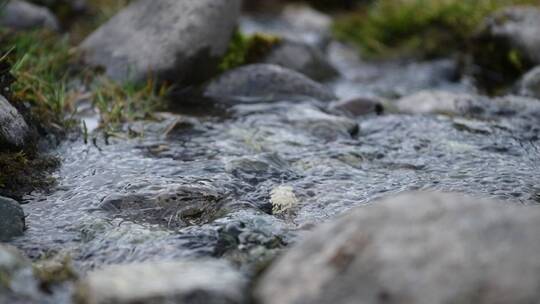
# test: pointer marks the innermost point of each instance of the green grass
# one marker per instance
(46, 81)
(244, 49)
(41, 71)
(50, 78)
(120, 103)
(419, 28)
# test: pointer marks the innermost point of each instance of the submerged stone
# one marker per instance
(175, 207)
(414, 248)
(265, 82)
(178, 41)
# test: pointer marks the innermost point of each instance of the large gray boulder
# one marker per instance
(175, 40)
(184, 282)
(423, 248)
(11, 219)
(13, 128)
(260, 82)
(21, 15)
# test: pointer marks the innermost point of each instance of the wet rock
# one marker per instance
(265, 82)
(253, 241)
(13, 128)
(255, 169)
(506, 45)
(17, 281)
(179, 41)
(441, 102)
(358, 106)
(414, 248)
(320, 124)
(530, 84)
(21, 15)
(174, 207)
(186, 282)
(11, 219)
(302, 58)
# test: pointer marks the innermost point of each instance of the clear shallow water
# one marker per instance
(213, 184)
(205, 188)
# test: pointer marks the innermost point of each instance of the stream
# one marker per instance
(245, 183)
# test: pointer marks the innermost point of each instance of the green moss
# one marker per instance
(247, 49)
(496, 65)
(514, 57)
(24, 172)
(422, 28)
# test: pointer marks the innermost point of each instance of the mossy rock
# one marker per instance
(244, 49)
(23, 173)
(505, 47)
(495, 64)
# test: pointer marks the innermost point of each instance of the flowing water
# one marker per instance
(244, 184)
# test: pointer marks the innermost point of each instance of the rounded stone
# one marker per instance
(266, 82)
(176, 41)
(420, 248)
(11, 219)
